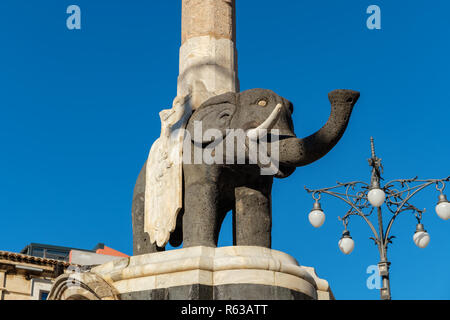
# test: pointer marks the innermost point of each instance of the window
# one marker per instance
(37, 252)
(55, 254)
(43, 295)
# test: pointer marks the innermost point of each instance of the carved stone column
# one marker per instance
(208, 56)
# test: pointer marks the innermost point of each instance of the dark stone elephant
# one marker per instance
(212, 190)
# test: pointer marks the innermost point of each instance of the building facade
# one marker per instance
(24, 277)
(30, 274)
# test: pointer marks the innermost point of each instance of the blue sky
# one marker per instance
(79, 113)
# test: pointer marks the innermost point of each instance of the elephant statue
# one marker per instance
(210, 191)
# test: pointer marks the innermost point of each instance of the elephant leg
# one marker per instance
(141, 239)
(176, 238)
(201, 219)
(253, 218)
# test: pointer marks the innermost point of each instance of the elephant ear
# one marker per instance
(215, 113)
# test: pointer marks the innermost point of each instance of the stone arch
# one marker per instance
(82, 286)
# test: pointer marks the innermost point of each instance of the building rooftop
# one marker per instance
(19, 257)
(50, 251)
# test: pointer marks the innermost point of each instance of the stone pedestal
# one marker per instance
(200, 273)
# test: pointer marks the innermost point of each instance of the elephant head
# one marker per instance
(260, 109)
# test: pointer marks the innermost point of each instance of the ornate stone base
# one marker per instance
(200, 273)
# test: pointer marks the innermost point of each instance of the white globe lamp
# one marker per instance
(376, 197)
(316, 216)
(443, 207)
(346, 244)
(421, 237)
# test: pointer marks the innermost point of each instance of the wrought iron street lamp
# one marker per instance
(364, 199)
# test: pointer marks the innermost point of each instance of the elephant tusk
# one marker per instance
(272, 119)
(270, 122)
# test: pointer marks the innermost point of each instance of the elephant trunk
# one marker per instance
(296, 152)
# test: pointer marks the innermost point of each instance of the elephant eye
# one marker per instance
(262, 103)
(224, 116)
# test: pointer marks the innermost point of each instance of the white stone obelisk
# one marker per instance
(208, 67)
(208, 55)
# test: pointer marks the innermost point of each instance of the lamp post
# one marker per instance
(363, 197)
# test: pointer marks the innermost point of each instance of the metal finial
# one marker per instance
(372, 146)
(376, 165)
